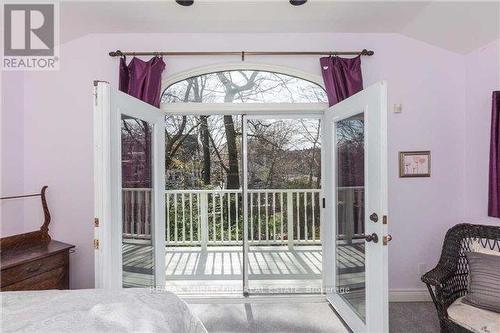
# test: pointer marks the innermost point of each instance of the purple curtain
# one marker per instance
(142, 79)
(342, 77)
(494, 183)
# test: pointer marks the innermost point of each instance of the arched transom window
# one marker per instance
(244, 86)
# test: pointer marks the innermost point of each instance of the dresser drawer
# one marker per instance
(54, 279)
(33, 268)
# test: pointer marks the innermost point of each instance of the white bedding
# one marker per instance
(96, 310)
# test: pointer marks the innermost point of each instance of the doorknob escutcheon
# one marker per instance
(374, 217)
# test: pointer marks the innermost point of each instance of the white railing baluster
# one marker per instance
(251, 218)
(130, 211)
(360, 195)
(213, 217)
(175, 217)
(258, 214)
(190, 217)
(267, 217)
(289, 219)
(139, 213)
(203, 231)
(221, 200)
(229, 216)
(198, 220)
(132, 220)
(183, 218)
(274, 216)
(281, 217)
(297, 200)
(237, 199)
(124, 213)
(147, 230)
(168, 217)
(348, 215)
(305, 217)
(356, 209)
(313, 200)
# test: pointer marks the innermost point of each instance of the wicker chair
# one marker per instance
(449, 279)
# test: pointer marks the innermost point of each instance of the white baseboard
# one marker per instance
(409, 295)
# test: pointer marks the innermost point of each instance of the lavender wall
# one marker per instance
(429, 82)
(482, 77)
(12, 154)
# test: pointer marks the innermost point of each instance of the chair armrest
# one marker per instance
(437, 276)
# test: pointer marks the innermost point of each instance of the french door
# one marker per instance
(355, 208)
(129, 153)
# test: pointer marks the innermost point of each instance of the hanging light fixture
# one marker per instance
(185, 3)
(297, 2)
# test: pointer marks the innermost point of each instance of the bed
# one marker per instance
(97, 310)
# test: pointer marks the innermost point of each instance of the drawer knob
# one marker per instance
(33, 269)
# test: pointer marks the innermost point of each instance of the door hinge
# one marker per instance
(96, 244)
(96, 222)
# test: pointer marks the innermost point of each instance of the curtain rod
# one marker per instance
(20, 196)
(119, 53)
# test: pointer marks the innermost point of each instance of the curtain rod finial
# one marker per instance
(116, 53)
(366, 52)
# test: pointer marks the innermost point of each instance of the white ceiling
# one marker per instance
(457, 26)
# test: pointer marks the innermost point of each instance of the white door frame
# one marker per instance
(104, 153)
(221, 109)
(109, 106)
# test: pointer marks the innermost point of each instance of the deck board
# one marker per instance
(272, 269)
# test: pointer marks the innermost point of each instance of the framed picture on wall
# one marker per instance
(414, 164)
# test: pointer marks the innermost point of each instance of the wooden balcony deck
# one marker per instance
(218, 270)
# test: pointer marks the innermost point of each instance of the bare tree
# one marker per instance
(232, 91)
(205, 142)
(311, 132)
(242, 86)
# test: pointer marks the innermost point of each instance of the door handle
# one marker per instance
(387, 239)
(374, 217)
(372, 238)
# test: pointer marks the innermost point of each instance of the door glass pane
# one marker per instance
(204, 222)
(284, 165)
(137, 212)
(350, 243)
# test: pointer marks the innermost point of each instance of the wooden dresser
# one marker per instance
(33, 261)
(36, 266)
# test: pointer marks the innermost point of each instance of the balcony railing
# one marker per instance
(215, 217)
